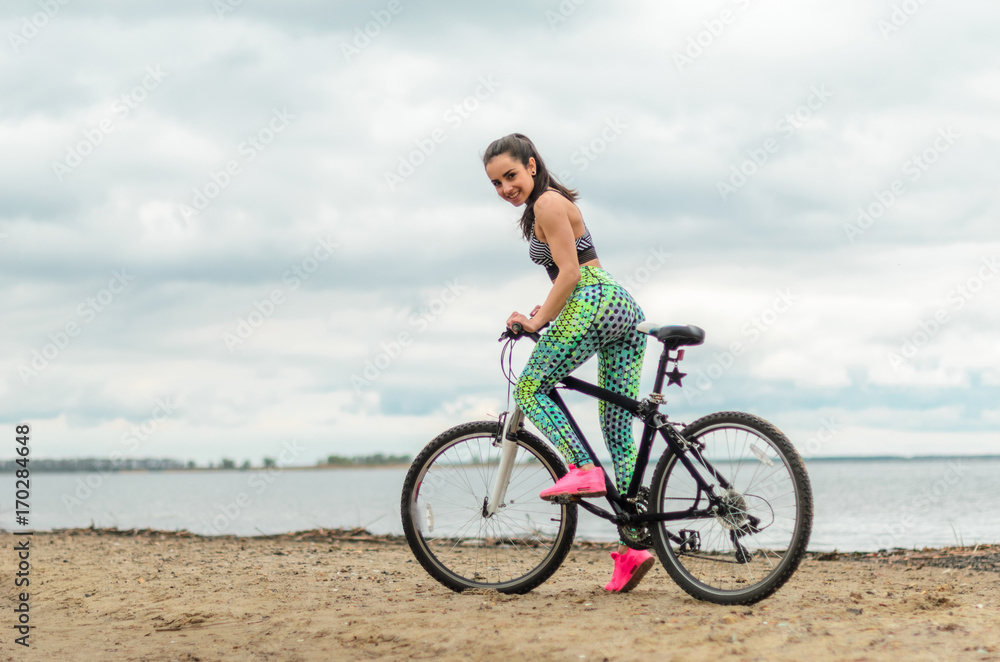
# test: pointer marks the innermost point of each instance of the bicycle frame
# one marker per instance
(622, 505)
(737, 492)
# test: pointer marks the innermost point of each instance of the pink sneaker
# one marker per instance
(630, 568)
(577, 483)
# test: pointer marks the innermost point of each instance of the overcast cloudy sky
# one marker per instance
(230, 226)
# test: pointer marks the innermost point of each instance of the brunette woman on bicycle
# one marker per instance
(588, 313)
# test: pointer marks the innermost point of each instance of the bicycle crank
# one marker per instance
(637, 535)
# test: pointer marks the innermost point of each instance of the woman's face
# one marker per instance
(513, 182)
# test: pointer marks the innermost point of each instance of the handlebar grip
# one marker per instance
(516, 328)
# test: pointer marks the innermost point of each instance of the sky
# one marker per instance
(253, 229)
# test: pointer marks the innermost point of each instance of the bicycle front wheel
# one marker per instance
(447, 525)
(744, 547)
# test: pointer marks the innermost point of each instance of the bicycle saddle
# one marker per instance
(676, 335)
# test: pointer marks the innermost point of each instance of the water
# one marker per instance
(860, 505)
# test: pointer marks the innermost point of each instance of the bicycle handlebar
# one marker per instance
(516, 331)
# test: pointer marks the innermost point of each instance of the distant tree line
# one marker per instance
(106, 465)
(376, 459)
(92, 464)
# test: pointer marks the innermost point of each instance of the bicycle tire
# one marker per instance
(514, 550)
(729, 558)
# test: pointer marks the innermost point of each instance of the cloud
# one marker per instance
(211, 153)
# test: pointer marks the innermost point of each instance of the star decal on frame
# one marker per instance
(675, 376)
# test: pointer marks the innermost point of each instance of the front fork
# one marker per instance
(508, 454)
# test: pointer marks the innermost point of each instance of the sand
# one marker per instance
(149, 595)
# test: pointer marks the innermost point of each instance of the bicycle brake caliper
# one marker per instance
(498, 437)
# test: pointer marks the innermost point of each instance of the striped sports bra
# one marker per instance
(539, 252)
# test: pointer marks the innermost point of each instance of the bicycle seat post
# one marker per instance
(651, 404)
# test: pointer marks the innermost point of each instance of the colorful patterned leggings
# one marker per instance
(599, 317)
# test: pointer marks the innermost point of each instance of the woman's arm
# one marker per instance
(552, 217)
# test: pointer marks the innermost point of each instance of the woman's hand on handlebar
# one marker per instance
(525, 323)
(528, 325)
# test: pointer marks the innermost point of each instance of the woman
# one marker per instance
(588, 313)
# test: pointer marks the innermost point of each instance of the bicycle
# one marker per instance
(728, 510)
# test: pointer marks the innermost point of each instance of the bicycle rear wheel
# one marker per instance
(443, 510)
(756, 538)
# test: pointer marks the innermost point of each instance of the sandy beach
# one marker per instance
(331, 595)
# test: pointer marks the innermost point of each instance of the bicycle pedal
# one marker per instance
(564, 499)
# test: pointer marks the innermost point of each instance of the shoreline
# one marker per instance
(358, 534)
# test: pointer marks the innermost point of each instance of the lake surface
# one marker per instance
(860, 505)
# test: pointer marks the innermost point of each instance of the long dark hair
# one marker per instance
(520, 147)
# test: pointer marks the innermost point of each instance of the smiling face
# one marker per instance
(513, 181)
